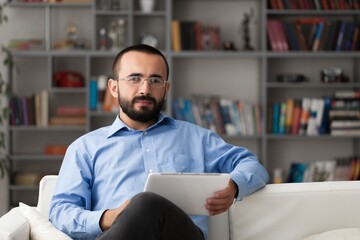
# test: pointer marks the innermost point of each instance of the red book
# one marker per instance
(279, 30)
(273, 4)
(55, 150)
(70, 111)
(271, 35)
(325, 4)
(355, 38)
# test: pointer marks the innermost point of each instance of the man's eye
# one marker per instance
(156, 80)
(134, 79)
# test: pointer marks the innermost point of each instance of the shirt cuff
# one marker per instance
(241, 183)
(93, 222)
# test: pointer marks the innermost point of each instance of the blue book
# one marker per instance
(290, 33)
(340, 36)
(325, 121)
(93, 94)
(276, 118)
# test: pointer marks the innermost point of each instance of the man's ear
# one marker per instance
(113, 87)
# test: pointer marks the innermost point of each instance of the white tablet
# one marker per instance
(189, 191)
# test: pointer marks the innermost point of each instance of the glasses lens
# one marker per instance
(133, 79)
(156, 81)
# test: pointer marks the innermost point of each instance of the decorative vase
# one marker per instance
(147, 5)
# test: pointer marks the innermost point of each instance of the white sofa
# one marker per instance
(276, 212)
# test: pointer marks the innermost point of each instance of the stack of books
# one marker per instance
(345, 113)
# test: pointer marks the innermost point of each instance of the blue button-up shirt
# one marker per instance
(105, 167)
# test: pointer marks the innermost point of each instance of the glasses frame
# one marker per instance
(142, 81)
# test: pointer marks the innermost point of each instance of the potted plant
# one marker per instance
(4, 109)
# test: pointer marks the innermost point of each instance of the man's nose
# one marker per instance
(145, 87)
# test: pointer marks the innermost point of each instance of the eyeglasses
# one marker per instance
(138, 80)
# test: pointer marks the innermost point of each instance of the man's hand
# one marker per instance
(110, 215)
(222, 200)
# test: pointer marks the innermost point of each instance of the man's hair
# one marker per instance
(138, 48)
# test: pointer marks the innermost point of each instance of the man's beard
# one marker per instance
(144, 114)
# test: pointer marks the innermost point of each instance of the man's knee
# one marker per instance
(149, 200)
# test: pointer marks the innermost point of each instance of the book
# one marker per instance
(297, 111)
(280, 32)
(311, 126)
(230, 128)
(55, 150)
(67, 120)
(244, 129)
(93, 94)
(324, 125)
(345, 124)
(345, 132)
(214, 104)
(291, 36)
(44, 108)
(305, 114)
(175, 34)
(340, 37)
(348, 36)
(282, 118)
(276, 118)
(289, 115)
(272, 38)
(64, 111)
(347, 94)
(318, 33)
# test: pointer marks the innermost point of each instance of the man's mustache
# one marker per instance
(146, 98)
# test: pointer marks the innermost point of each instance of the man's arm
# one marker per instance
(70, 209)
(244, 167)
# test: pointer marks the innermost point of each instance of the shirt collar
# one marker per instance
(119, 125)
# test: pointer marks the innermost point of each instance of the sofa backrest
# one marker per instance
(218, 225)
(46, 191)
(293, 211)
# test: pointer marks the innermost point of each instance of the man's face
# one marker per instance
(141, 102)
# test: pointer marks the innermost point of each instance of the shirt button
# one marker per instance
(145, 133)
(148, 150)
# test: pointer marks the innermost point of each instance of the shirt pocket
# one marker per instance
(178, 163)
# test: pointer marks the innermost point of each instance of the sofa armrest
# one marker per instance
(14, 226)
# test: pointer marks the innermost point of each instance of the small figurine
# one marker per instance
(245, 29)
(102, 39)
(71, 34)
(117, 34)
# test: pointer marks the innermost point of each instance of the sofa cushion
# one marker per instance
(14, 226)
(40, 227)
(338, 234)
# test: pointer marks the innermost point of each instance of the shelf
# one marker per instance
(301, 137)
(53, 5)
(217, 54)
(152, 14)
(50, 128)
(310, 54)
(112, 13)
(36, 157)
(311, 12)
(102, 114)
(69, 90)
(23, 188)
(314, 85)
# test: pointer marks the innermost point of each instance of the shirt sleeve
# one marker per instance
(243, 165)
(70, 209)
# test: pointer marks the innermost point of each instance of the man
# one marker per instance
(100, 184)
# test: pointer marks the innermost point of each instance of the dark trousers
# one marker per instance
(152, 217)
